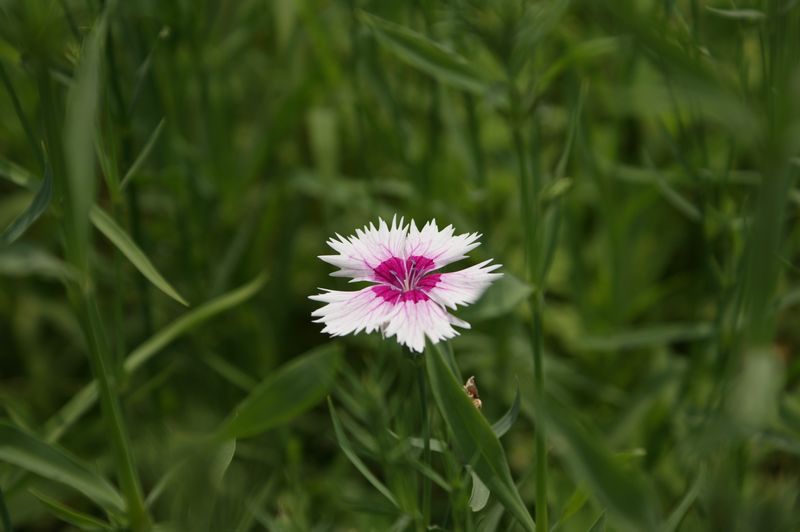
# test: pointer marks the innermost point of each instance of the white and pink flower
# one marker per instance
(409, 296)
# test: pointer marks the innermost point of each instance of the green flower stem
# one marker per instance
(530, 219)
(426, 438)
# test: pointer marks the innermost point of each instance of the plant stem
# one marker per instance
(84, 301)
(528, 218)
(426, 438)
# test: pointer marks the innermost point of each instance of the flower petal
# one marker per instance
(440, 246)
(412, 321)
(352, 312)
(464, 286)
(359, 255)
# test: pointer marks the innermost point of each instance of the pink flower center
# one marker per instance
(405, 280)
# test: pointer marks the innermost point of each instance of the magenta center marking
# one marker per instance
(405, 280)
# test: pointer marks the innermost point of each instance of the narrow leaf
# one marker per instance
(748, 15)
(500, 299)
(79, 128)
(622, 490)
(79, 520)
(347, 449)
(87, 396)
(128, 247)
(288, 392)
(599, 524)
(479, 495)
(677, 515)
(651, 336)
(501, 426)
(5, 517)
(26, 451)
(473, 437)
(425, 54)
(38, 205)
(137, 164)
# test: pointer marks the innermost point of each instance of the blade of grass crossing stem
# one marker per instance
(474, 437)
(128, 247)
(36, 208)
(79, 520)
(137, 164)
(288, 392)
(26, 451)
(87, 396)
(347, 449)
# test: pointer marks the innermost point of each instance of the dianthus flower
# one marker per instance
(409, 296)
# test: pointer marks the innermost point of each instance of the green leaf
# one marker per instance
(599, 524)
(288, 392)
(87, 396)
(17, 174)
(651, 336)
(473, 436)
(39, 204)
(502, 297)
(79, 129)
(623, 491)
(348, 451)
(501, 426)
(128, 247)
(677, 515)
(137, 164)
(79, 520)
(748, 15)
(479, 495)
(5, 517)
(28, 452)
(425, 54)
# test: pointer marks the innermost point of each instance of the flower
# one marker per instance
(408, 297)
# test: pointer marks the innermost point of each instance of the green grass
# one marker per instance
(169, 172)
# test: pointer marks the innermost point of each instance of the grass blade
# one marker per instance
(474, 437)
(5, 517)
(426, 55)
(501, 426)
(26, 451)
(137, 164)
(623, 491)
(128, 247)
(37, 207)
(288, 392)
(87, 396)
(347, 449)
(79, 520)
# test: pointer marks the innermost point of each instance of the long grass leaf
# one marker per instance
(133, 253)
(474, 437)
(28, 452)
(36, 208)
(347, 449)
(286, 393)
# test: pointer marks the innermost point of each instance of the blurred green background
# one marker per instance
(632, 164)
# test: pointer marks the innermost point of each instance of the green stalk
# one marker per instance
(426, 438)
(83, 299)
(528, 219)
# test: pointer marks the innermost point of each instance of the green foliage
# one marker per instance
(632, 165)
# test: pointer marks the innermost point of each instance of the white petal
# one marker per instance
(441, 246)
(464, 286)
(358, 255)
(351, 312)
(412, 321)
